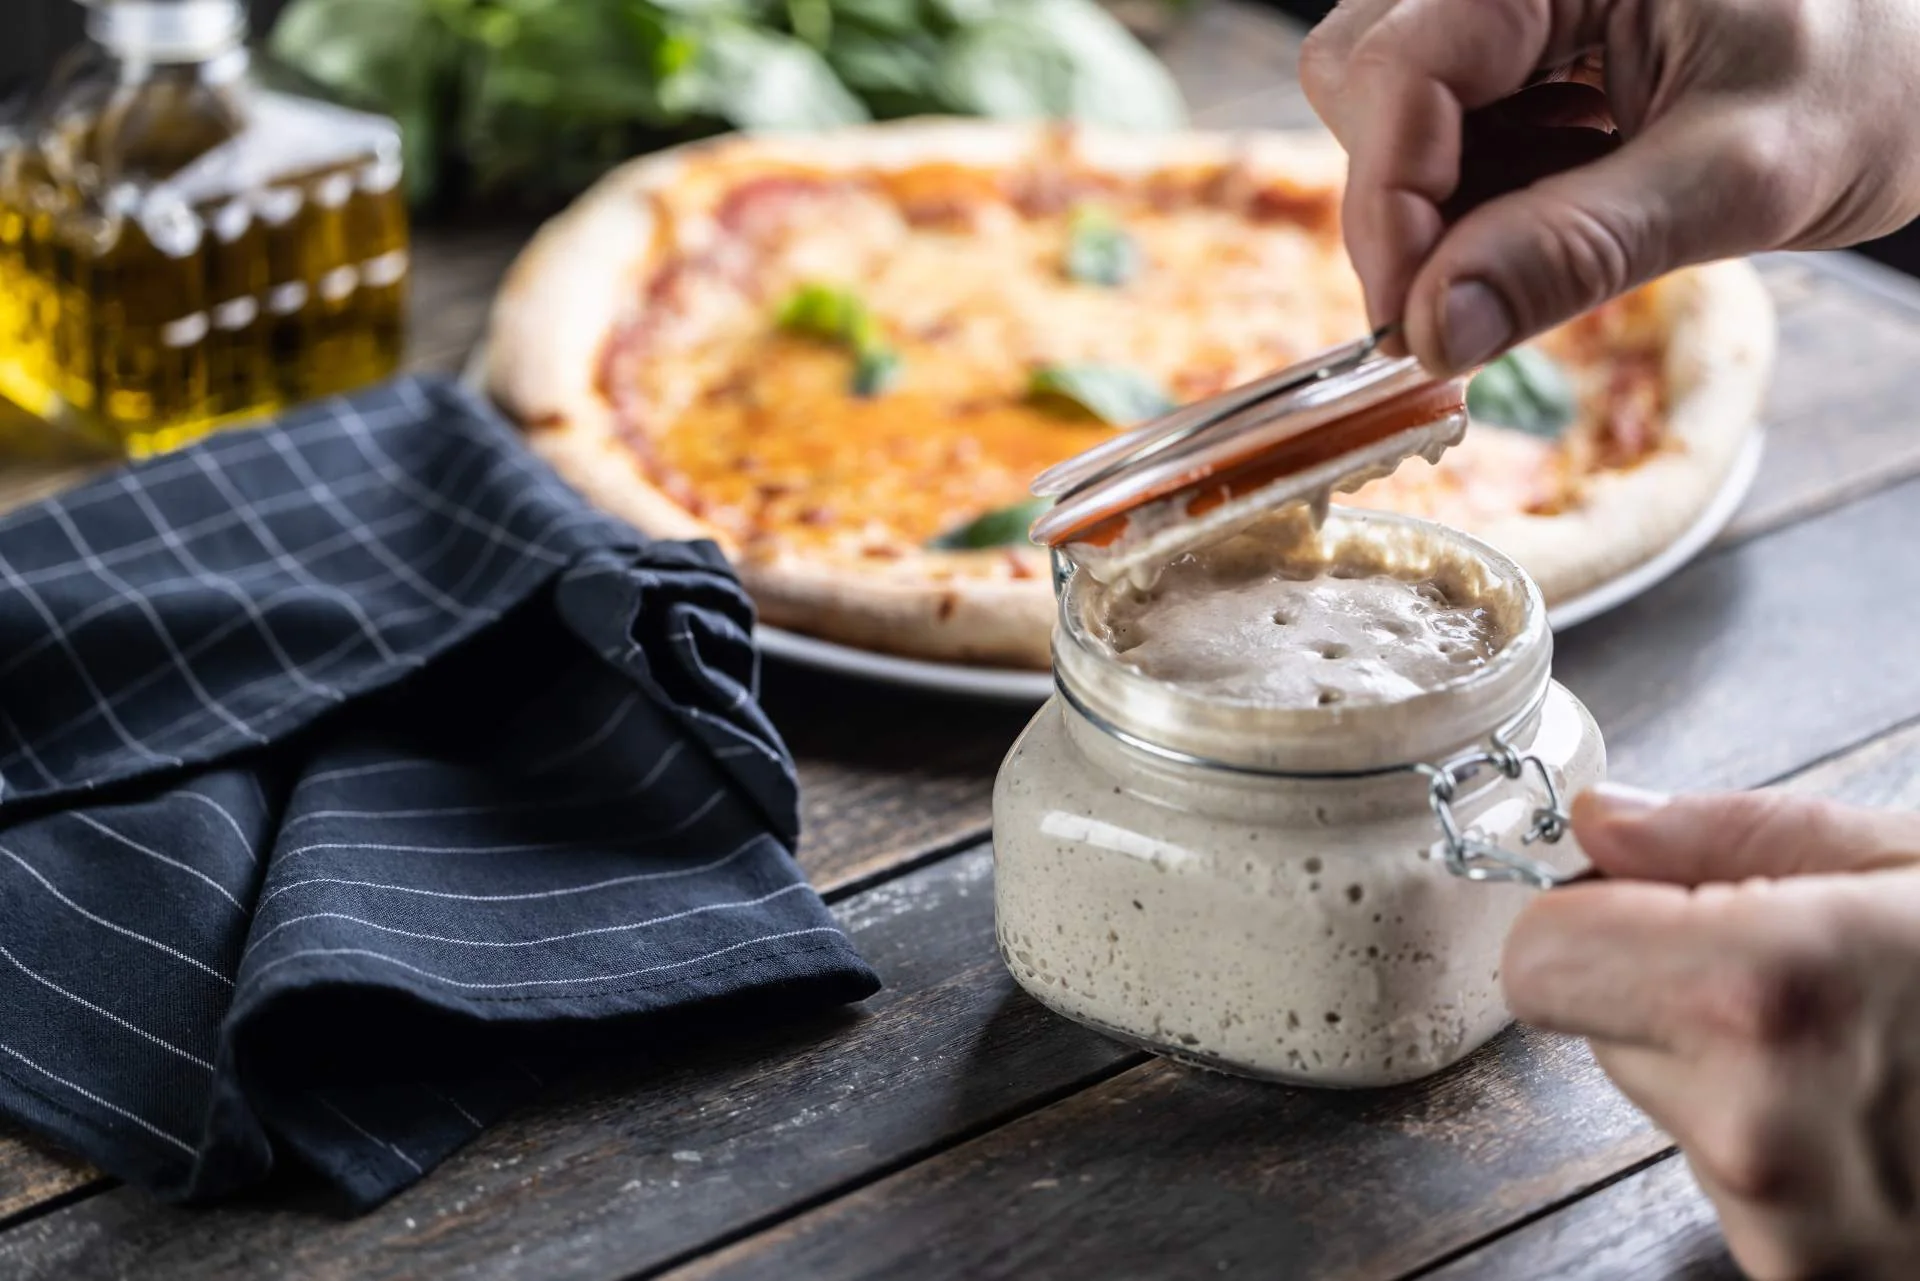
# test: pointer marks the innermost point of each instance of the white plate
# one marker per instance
(1017, 685)
(1000, 684)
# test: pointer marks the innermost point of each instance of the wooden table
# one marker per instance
(951, 1128)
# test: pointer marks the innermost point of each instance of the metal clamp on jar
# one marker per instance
(1314, 893)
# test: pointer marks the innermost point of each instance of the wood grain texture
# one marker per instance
(32, 1173)
(887, 776)
(1841, 416)
(1655, 1224)
(1764, 658)
(1188, 1175)
(626, 1172)
(1174, 1174)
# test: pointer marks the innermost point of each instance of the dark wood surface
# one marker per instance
(950, 1128)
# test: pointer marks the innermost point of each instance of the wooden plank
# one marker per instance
(1655, 1224)
(1842, 418)
(32, 1174)
(1194, 1173)
(629, 1171)
(888, 776)
(1172, 1174)
(1759, 660)
(456, 271)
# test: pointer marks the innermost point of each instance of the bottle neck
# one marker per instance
(169, 32)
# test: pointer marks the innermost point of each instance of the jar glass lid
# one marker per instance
(1296, 436)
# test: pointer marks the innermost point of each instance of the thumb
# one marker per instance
(1694, 840)
(1689, 189)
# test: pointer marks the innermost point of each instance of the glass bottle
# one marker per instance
(184, 248)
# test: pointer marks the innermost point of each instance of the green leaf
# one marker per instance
(763, 80)
(1526, 390)
(1099, 250)
(895, 17)
(372, 52)
(1006, 527)
(394, 56)
(811, 20)
(1058, 59)
(904, 65)
(1109, 392)
(838, 316)
(876, 371)
(822, 311)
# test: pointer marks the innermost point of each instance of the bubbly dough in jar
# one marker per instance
(1293, 631)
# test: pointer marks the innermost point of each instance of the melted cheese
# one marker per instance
(758, 432)
(761, 430)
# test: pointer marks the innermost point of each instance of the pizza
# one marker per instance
(844, 357)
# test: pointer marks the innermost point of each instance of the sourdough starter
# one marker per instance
(1294, 928)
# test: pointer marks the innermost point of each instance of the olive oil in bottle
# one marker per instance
(182, 248)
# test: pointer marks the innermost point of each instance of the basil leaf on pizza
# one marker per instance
(838, 316)
(1005, 527)
(876, 371)
(1111, 393)
(1526, 390)
(1099, 250)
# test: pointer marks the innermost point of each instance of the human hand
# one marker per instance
(1750, 977)
(1743, 125)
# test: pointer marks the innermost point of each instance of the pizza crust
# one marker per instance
(586, 273)
(1720, 345)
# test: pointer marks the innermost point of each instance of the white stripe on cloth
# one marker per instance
(106, 1014)
(584, 978)
(621, 928)
(132, 844)
(635, 878)
(91, 1097)
(103, 922)
(369, 1135)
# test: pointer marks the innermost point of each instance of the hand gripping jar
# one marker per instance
(1248, 876)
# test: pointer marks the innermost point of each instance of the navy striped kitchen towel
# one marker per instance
(353, 774)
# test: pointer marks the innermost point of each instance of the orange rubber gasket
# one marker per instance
(1213, 484)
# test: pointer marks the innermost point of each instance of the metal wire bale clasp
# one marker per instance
(1468, 856)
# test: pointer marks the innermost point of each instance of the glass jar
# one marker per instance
(182, 248)
(1318, 895)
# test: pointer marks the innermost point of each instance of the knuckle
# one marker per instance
(1585, 257)
(1752, 171)
(1751, 1157)
(1797, 996)
(1320, 69)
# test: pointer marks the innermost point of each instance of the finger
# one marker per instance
(1689, 189)
(1694, 840)
(1771, 1168)
(1323, 58)
(1609, 961)
(1410, 78)
(1737, 1113)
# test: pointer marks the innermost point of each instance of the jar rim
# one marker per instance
(1344, 738)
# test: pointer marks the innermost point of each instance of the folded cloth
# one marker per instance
(353, 774)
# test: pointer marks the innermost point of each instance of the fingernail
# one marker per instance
(1476, 324)
(1618, 800)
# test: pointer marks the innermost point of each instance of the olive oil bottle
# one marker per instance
(182, 248)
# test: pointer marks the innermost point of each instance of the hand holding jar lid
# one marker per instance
(1303, 767)
(1328, 424)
